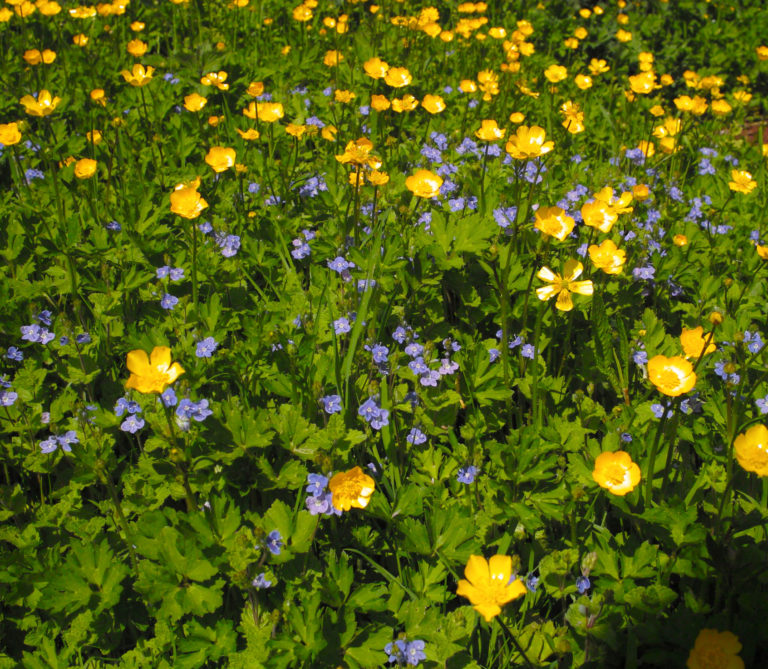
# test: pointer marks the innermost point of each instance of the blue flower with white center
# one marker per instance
(169, 301)
(416, 436)
(132, 424)
(274, 542)
(467, 474)
(206, 347)
(331, 404)
(261, 582)
(341, 325)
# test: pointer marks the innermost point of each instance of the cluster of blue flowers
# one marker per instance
(373, 414)
(64, 440)
(301, 248)
(404, 652)
(319, 500)
(133, 423)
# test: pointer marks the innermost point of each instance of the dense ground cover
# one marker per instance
(353, 334)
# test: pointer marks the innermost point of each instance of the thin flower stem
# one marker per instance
(654, 452)
(515, 643)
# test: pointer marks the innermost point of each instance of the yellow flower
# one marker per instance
(516, 117)
(580, 32)
(358, 152)
(620, 205)
(582, 81)
(599, 214)
(153, 373)
(220, 158)
(671, 376)
(598, 66)
(555, 222)
(332, 58)
(136, 48)
(434, 104)
(35, 56)
(693, 342)
(138, 76)
(751, 449)
(467, 86)
(9, 134)
(376, 68)
(641, 192)
(85, 168)
(643, 83)
(555, 73)
(351, 489)
(248, 135)
(216, 79)
(574, 117)
(721, 108)
(489, 131)
(762, 52)
(194, 102)
(489, 584)
(715, 650)
(302, 13)
(616, 472)
(268, 112)
(82, 12)
(397, 77)
(762, 251)
(377, 178)
(295, 130)
(528, 143)
(380, 103)
(344, 96)
(137, 26)
(186, 201)
(607, 257)
(680, 240)
(328, 133)
(404, 104)
(94, 137)
(255, 89)
(696, 105)
(40, 105)
(424, 183)
(99, 97)
(623, 35)
(563, 286)
(742, 181)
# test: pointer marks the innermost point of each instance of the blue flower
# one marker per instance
(49, 445)
(132, 424)
(317, 504)
(528, 351)
(197, 411)
(162, 272)
(168, 397)
(339, 264)
(44, 317)
(493, 354)
(274, 542)
(229, 244)
(416, 436)
(83, 338)
(317, 484)
(301, 250)
(176, 273)
(657, 410)
(414, 349)
(169, 301)
(14, 354)
(261, 582)
(647, 273)
(430, 378)
(531, 582)
(583, 584)
(374, 415)
(467, 474)
(206, 347)
(8, 398)
(124, 405)
(380, 354)
(341, 325)
(418, 366)
(331, 403)
(762, 404)
(396, 651)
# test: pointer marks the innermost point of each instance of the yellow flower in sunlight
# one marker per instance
(248, 135)
(671, 376)
(220, 158)
(721, 108)
(516, 118)
(623, 35)
(377, 178)
(376, 68)
(751, 450)
(583, 81)
(216, 79)
(136, 48)
(424, 183)
(528, 143)
(574, 117)
(98, 96)
(489, 131)
(153, 373)
(358, 152)
(139, 75)
(599, 214)
(269, 112)
(85, 168)
(41, 104)
(553, 221)
(643, 83)
(194, 102)
(397, 77)
(598, 66)
(490, 584)
(742, 181)
(351, 489)
(607, 257)
(332, 58)
(694, 341)
(404, 104)
(564, 285)
(255, 89)
(295, 130)
(186, 201)
(344, 96)
(555, 73)
(616, 472)
(35, 56)
(9, 134)
(434, 104)
(380, 103)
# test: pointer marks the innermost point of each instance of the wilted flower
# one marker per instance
(616, 472)
(490, 584)
(153, 373)
(352, 488)
(563, 286)
(751, 450)
(424, 183)
(715, 650)
(671, 376)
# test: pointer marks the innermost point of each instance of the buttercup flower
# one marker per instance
(528, 143)
(489, 131)
(397, 77)
(194, 102)
(85, 168)
(352, 488)
(616, 472)
(268, 112)
(607, 257)
(424, 183)
(434, 104)
(555, 222)
(693, 342)
(138, 75)
(220, 158)
(216, 79)
(136, 47)
(9, 134)
(376, 68)
(153, 373)
(671, 376)
(358, 152)
(563, 286)
(555, 73)
(715, 650)
(490, 584)
(186, 201)
(40, 105)
(742, 181)
(751, 450)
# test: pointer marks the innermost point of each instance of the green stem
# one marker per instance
(515, 643)
(654, 452)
